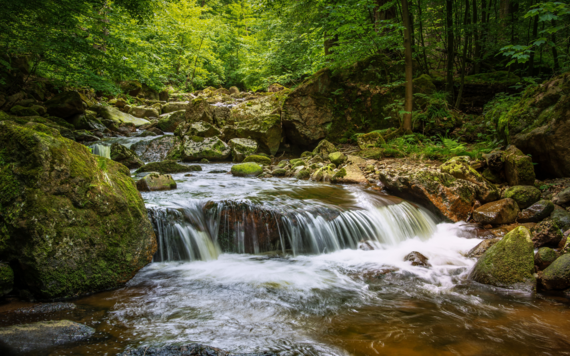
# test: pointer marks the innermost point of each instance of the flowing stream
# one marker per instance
(304, 268)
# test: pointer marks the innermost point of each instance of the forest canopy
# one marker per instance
(192, 44)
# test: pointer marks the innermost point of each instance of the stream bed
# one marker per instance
(304, 268)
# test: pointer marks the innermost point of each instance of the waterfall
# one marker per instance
(202, 230)
(101, 150)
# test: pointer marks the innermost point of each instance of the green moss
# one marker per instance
(258, 159)
(524, 195)
(249, 169)
(197, 139)
(499, 77)
(337, 158)
(303, 174)
(167, 167)
(340, 174)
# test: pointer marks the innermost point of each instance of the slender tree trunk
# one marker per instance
(464, 56)
(195, 63)
(450, 52)
(408, 104)
(476, 43)
(533, 54)
(422, 37)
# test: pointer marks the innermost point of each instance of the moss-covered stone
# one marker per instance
(561, 217)
(123, 155)
(370, 140)
(249, 169)
(23, 111)
(74, 221)
(536, 212)
(241, 148)
(113, 114)
(460, 168)
(303, 174)
(297, 162)
(168, 167)
(264, 161)
(509, 263)
(324, 174)
(557, 275)
(196, 148)
(156, 182)
(279, 172)
(144, 112)
(337, 158)
(324, 148)
(524, 195)
(197, 129)
(546, 233)
(6, 279)
(170, 121)
(307, 154)
(519, 169)
(544, 257)
(66, 104)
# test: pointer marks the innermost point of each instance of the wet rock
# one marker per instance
(460, 168)
(144, 112)
(536, 212)
(66, 104)
(249, 169)
(370, 140)
(367, 246)
(303, 174)
(349, 174)
(482, 247)
(204, 160)
(509, 263)
(156, 182)
(125, 156)
(174, 106)
(495, 161)
(43, 335)
(186, 350)
(561, 217)
(199, 129)
(505, 229)
(324, 148)
(119, 117)
(544, 257)
(168, 167)
(6, 279)
(442, 193)
(279, 172)
(417, 259)
(195, 148)
(546, 233)
(154, 150)
(524, 195)
(169, 122)
(241, 148)
(323, 174)
(337, 158)
(78, 200)
(503, 211)
(519, 169)
(557, 275)
(563, 197)
(264, 161)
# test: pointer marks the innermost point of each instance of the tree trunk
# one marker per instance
(464, 56)
(422, 37)
(408, 104)
(533, 54)
(450, 54)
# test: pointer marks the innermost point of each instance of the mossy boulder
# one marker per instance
(303, 174)
(198, 128)
(557, 275)
(125, 156)
(241, 148)
(174, 106)
(87, 121)
(170, 122)
(279, 172)
(23, 111)
(519, 169)
(370, 140)
(544, 257)
(324, 148)
(155, 150)
(73, 221)
(460, 168)
(337, 158)
(195, 148)
(546, 233)
(66, 104)
(536, 212)
(502, 211)
(264, 161)
(249, 169)
(524, 195)
(6, 279)
(119, 117)
(539, 123)
(199, 110)
(296, 162)
(323, 174)
(144, 111)
(168, 167)
(561, 217)
(156, 182)
(562, 197)
(509, 263)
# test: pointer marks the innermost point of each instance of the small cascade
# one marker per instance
(201, 230)
(101, 150)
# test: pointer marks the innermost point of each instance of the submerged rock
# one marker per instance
(73, 221)
(249, 169)
(186, 350)
(45, 308)
(125, 156)
(241, 148)
(503, 211)
(557, 275)
(417, 259)
(43, 335)
(168, 166)
(509, 263)
(155, 182)
(524, 195)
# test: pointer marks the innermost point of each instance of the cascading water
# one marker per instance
(101, 150)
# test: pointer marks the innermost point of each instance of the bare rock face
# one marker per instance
(502, 211)
(482, 247)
